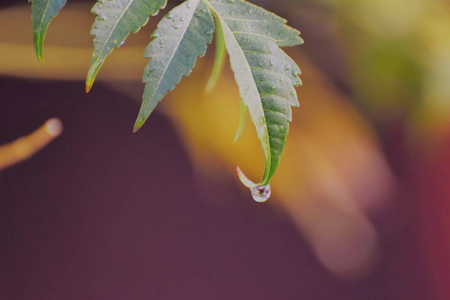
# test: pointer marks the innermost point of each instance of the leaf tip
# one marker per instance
(40, 57)
(138, 125)
(89, 83)
(239, 132)
(209, 86)
(244, 179)
(92, 74)
(38, 49)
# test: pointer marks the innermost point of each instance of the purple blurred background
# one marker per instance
(105, 214)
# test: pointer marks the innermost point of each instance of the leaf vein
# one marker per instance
(247, 20)
(145, 5)
(271, 71)
(258, 35)
(114, 27)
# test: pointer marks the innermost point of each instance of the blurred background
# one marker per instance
(359, 206)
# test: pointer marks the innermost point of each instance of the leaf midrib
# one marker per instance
(247, 20)
(42, 22)
(176, 48)
(113, 28)
(259, 35)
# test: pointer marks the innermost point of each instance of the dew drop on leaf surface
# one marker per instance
(261, 193)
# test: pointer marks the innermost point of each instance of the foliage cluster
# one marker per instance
(251, 36)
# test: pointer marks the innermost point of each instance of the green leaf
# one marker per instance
(42, 12)
(265, 74)
(182, 36)
(115, 20)
(219, 60)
